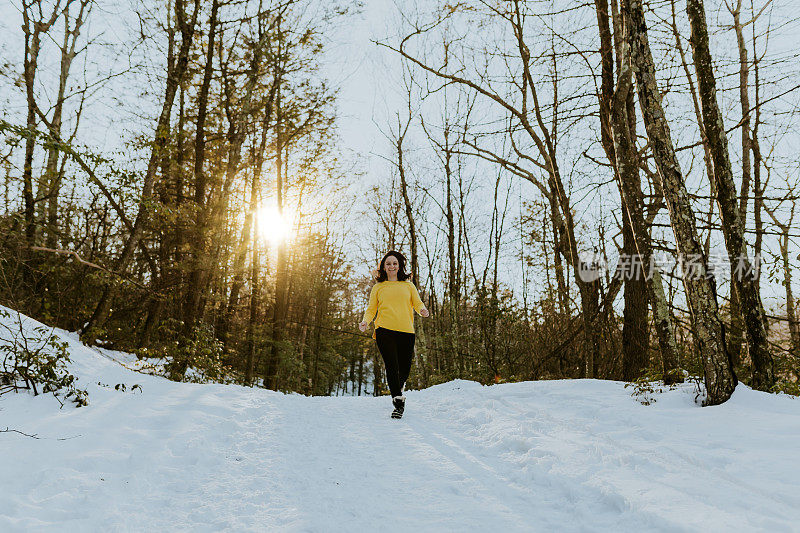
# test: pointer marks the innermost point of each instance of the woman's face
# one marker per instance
(391, 266)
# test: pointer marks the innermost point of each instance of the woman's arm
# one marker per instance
(416, 301)
(372, 308)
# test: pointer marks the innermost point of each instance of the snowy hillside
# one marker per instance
(537, 456)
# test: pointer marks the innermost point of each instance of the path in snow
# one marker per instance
(537, 456)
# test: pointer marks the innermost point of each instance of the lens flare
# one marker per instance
(272, 227)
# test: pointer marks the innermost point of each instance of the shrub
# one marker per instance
(651, 383)
(196, 358)
(784, 386)
(36, 360)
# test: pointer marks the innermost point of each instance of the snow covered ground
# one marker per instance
(537, 456)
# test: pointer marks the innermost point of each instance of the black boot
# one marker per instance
(399, 403)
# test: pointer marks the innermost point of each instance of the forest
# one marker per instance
(600, 189)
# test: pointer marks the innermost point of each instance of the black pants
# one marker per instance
(397, 350)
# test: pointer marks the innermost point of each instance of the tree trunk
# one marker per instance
(238, 271)
(52, 176)
(588, 287)
(412, 229)
(33, 30)
(662, 319)
(791, 314)
(192, 311)
(278, 310)
(635, 331)
(614, 123)
(758, 188)
(700, 286)
(733, 229)
(558, 262)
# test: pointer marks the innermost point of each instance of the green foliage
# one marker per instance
(15, 134)
(196, 357)
(787, 371)
(289, 364)
(792, 388)
(37, 361)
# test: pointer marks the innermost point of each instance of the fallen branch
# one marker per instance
(35, 436)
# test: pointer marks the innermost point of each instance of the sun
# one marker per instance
(272, 227)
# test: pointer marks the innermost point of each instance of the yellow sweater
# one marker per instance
(394, 302)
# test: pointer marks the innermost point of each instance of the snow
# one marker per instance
(580, 455)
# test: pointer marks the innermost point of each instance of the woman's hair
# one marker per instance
(401, 270)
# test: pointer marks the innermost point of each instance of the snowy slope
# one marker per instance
(537, 456)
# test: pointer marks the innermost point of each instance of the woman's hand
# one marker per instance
(425, 313)
(375, 273)
(363, 326)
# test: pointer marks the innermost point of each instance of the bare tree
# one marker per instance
(529, 115)
(699, 284)
(618, 129)
(35, 23)
(732, 224)
(784, 240)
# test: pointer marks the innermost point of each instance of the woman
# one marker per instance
(392, 303)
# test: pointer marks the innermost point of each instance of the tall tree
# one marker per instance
(744, 278)
(697, 279)
(618, 130)
(616, 136)
(279, 308)
(35, 23)
(177, 65)
(531, 121)
(50, 184)
(791, 312)
(197, 242)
